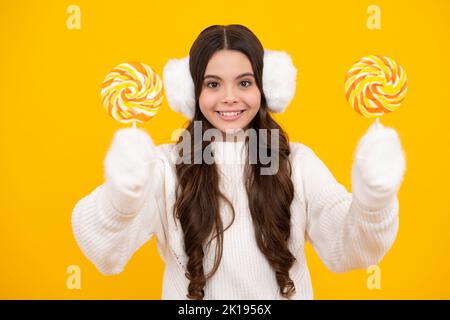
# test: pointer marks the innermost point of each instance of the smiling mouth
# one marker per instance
(230, 113)
(230, 116)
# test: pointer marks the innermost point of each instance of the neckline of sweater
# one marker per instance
(229, 152)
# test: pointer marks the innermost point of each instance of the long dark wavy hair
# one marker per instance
(198, 194)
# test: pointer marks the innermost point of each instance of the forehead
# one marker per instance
(228, 63)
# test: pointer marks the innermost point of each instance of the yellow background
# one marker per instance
(55, 134)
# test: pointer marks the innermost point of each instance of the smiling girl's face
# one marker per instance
(229, 98)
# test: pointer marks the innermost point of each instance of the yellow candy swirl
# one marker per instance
(375, 85)
(132, 92)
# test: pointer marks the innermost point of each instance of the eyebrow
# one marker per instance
(239, 76)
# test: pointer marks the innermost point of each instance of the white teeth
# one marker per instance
(230, 114)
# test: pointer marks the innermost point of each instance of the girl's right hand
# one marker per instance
(127, 168)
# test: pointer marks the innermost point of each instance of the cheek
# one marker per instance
(207, 101)
(253, 99)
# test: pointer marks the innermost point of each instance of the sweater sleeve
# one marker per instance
(345, 234)
(108, 237)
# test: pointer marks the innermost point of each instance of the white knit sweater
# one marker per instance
(345, 235)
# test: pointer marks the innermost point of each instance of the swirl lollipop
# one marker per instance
(375, 85)
(132, 92)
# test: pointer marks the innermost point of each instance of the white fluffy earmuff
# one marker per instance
(279, 83)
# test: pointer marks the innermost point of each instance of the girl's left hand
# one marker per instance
(378, 167)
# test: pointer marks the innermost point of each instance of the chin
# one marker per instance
(232, 128)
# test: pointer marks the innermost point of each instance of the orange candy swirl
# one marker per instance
(375, 85)
(132, 92)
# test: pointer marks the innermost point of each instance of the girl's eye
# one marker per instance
(215, 84)
(208, 84)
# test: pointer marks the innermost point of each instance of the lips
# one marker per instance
(230, 115)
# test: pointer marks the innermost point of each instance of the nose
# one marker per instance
(229, 100)
(230, 97)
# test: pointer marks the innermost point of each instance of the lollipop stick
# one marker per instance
(377, 121)
(134, 124)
